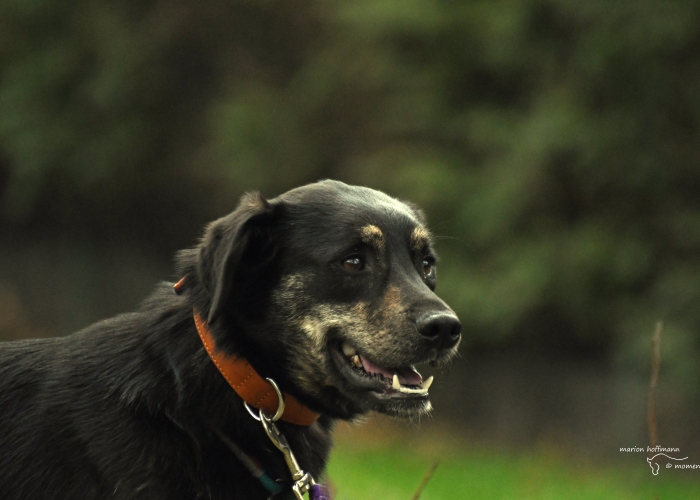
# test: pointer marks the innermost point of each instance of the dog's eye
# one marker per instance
(428, 267)
(354, 264)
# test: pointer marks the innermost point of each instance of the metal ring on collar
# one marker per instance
(280, 405)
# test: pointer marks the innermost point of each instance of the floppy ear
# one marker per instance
(243, 235)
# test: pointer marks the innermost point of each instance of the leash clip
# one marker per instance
(303, 481)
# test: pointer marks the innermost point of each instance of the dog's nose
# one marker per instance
(442, 328)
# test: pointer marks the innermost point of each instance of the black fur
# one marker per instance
(133, 408)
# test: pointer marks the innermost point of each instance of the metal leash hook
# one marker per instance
(303, 481)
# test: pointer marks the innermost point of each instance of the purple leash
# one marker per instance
(318, 492)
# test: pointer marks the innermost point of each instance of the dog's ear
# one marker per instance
(242, 238)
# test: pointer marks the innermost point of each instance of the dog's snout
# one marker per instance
(441, 328)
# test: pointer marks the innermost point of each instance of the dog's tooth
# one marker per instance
(408, 390)
(348, 350)
(395, 384)
(356, 360)
(427, 383)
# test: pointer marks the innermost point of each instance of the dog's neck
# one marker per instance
(203, 403)
(251, 387)
(244, 380)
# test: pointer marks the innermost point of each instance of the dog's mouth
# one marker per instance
(386, 382)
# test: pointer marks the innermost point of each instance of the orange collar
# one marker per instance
(251, 387)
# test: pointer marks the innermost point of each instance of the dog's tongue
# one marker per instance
(407, 375)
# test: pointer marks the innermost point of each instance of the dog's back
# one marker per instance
(87, 416)
(66, 422)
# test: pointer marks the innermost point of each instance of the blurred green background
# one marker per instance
(554, 145)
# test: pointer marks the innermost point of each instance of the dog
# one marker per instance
(327, 291)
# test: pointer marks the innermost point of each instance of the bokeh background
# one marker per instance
(554, 145)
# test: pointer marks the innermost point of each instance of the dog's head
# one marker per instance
(329, 289)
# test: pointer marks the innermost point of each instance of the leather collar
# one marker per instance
(249, 385)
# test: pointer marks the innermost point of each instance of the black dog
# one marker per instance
(327, 290)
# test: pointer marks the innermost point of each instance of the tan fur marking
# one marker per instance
(392, 299)
(360, 310)
(420, 238)
(373, 236)
(289, 291)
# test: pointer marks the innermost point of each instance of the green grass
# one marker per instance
(392, 467)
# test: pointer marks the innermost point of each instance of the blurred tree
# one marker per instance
(105, 105)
